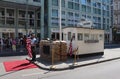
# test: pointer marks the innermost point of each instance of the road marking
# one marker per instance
(30, 74)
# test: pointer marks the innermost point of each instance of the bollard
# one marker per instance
(75, 56)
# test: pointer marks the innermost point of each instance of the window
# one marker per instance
(70, 5)
(89, 17)
(76, 15)
(37, 0)
(77, 1)
(80, 36)
(83, 8)
(55, 2)
(101, 37)
(88, 9)
(31, 14)
(10, 13)
(83, 1)
(55, 13)
(69, 35)
(63, 12)
(86, 36)
(70, 14)
(88, 2)
(76, 6)
(2, 12)
(63, 3)
(21, 14)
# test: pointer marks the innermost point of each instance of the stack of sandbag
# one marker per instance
(53, 49)
(59, 49)
(43, 54)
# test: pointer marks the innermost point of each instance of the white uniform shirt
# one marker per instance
(33, 41)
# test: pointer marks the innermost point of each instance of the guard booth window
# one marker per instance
(80, 36)
(69, 35)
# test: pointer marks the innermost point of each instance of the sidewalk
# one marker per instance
(109, 54)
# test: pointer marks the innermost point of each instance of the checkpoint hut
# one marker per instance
(87, 40)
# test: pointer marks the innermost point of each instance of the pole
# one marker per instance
(60, 21)
(26, 27)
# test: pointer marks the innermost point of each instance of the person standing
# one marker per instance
(14, 45)
(33, 46)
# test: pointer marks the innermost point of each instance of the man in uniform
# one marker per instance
(33, 46)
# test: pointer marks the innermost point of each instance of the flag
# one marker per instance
(28, 46)
(70, 51)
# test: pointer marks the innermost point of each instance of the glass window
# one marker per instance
(89, 17)
(76, 6)
(31, 14)
(83, 2)
(69, 35)
(80, 36)
(98, 5)
(84, 16)
(86, 36)
(77, 1)
(55, 2)
(21, 14)
(76, 15)
(2, 12)
(101, 37)
(63, 3)
(63, 12)
(88, 9)
(99, 19)
(88, 2)
(70, 14)
(10, 21)
(55, 13)
(70, 5)
(83, 8)
(10, 12)
(37, 0)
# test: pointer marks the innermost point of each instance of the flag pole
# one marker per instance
(60, 35)
(60, 27)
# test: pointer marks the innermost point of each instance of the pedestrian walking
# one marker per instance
(33, 46)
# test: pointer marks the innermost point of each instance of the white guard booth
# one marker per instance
(87, 40)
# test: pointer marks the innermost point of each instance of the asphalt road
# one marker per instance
(107, 70)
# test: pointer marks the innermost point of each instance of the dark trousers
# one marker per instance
(33, 49)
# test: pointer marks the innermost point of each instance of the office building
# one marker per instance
(19, 17)
(116, 20)
(98, 11)
(43, 16)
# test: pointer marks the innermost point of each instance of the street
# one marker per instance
(107, 70)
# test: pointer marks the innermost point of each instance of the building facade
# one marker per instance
(19, 17)
(98, 11)
(116, 22)
(43, 16)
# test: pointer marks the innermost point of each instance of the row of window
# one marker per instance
(86, 36)
(85, 8)
(76, 15)
(7, 16)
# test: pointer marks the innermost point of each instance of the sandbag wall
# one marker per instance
(56, 49)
